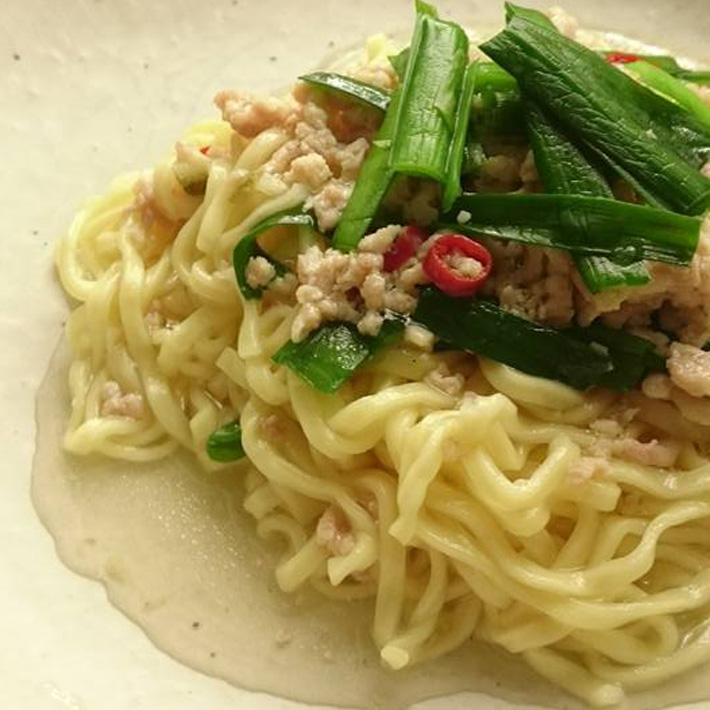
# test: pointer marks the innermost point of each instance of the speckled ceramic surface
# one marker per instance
(90, 89)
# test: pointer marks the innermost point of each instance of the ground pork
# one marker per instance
(528, 170)
(499, 173)
(465, 266)
(419, 337)
(353, 286)
(689, 369)
(333, 532)
(380, 241)
(311, 170)
(680, 295)
(116, 403)
(330, 202)
(650, 453)
(657, 386)
(259, 272)
(532, 282)
(314, 157)
(442, 379)
(249, 115)
(588, 467)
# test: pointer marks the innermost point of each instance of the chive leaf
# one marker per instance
(247, 247)
(581, 360)
(452, 187)
(675, 89)
(225, 443)
(564, 169)
(331, 355)
(353, 89)
(623, 232)
(429, 98)
(593, 101)
(372, 183)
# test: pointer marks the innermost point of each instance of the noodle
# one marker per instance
(458, 516)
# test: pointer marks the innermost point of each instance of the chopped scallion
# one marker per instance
(247, 247)
(348, 88)
(330, 356)
(225, 443)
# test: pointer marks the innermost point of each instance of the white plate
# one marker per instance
(90, 89)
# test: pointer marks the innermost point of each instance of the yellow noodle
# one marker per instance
(461, 514)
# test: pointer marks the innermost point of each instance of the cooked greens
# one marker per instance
(594, 102)
(330, 356)
(654, 77)
(623, 232)
(248, 247)
(579, 358)
(564, 169)
(454, 164)
(349, 88)
(430, 97)
(371, 187)
(225, 443)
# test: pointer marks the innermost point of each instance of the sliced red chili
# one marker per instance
(204, 149)
(404, 248)
(622, 58)
(439, 265)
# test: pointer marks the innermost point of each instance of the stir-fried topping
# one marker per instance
(616, 143)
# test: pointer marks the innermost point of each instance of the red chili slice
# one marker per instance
(443, 274)
(622, 58)
(204, 149)
(404, 248)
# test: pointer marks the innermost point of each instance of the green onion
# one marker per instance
(483, 328)
(675, 89)
(330, 356)
(665, 62)
(247, 247)
(633, 357)
(623, 232)
(414, 138)
(499, 113)
(493, 77)
(430, 92)
(373, 181)
(527, 13)
(473, 157)
(225, 443)
(593, 101)
(671, 123)
(452, 187)
(353, 89)
(564, 169)
(399, 62)
(695, 77)
(671, 66)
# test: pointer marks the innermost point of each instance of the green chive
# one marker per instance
(225, 443)
(348, 88)
(429, 99)
(247, 247)
(593, 101)
(330, 356)
(622, 232)
(564, 169)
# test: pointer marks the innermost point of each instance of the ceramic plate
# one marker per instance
(90, 89)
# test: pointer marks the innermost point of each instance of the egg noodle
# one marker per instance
(464, 516)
